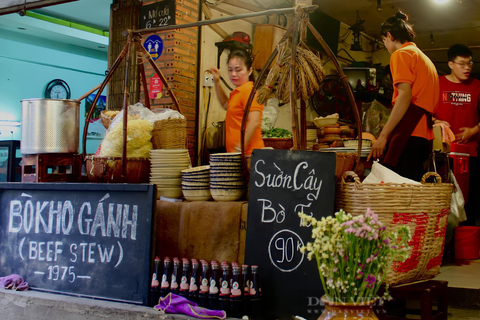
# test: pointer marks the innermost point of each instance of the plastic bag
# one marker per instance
(457, 210)
(139, 133)
(269, 114)
(381, 174)
(374, 117)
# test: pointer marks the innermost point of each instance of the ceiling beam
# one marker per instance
(14, 6)
(208, 16)
(243, 5)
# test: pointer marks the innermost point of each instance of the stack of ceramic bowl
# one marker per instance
(311, 138)
(166, 167)
(226, 176)
(196, 183)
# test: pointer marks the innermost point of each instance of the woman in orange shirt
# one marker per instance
(240, 72)
(404, 143)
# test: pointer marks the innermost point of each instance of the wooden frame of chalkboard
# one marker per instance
(282, 184)
(89, 240)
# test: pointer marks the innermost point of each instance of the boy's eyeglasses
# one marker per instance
(464, 64)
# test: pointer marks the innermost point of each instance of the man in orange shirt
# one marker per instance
(404, 143)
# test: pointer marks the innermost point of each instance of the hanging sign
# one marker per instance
(157, 14)
(156, 87)
(154, 46)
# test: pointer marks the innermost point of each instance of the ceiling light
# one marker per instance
(357, 28)
(379, 6)
(441, 1)
(432, 41)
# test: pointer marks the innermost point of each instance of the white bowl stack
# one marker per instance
(226, 176)
(166, 167)
(196, 183)
(311, 138)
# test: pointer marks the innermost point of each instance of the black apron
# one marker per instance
(402, 132)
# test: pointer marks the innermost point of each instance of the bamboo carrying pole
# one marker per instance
(134, 36)
(300, 11)
(351, 99)
(135, 40)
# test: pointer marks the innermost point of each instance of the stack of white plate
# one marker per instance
(311, 135)
(226, 176)
(196, 183)
(166, 167)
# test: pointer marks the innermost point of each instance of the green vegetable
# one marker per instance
(277, 133)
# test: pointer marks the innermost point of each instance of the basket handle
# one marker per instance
(349, 175)
(427, 175)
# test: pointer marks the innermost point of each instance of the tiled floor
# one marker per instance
(462, 274)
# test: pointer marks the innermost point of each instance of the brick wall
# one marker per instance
(178, 64)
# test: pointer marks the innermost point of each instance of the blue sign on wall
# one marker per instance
(154, 46)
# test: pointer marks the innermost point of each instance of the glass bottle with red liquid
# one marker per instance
(236, 293)
(193, 288)
(166, 277)
(184, 280)
(204, 288)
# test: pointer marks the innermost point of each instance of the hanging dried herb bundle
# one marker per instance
(266, 90)
(309, 73)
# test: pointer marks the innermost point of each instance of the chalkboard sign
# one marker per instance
(91, 240)
(157, 14)
(282, 184)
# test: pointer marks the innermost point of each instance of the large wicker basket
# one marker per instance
(423, 208)
(170, 134)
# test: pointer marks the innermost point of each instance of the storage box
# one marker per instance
(278, 143)
(266, 38)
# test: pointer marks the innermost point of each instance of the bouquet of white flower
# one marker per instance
(354, 254)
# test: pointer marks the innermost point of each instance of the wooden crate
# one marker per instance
(51, 167)
(266, 38)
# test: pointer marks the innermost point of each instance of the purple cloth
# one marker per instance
(14, 282)
(173, 303)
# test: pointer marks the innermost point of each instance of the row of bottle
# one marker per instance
(230, 287)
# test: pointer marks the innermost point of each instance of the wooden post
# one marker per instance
(124, 15)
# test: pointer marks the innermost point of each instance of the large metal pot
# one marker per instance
(50, 126)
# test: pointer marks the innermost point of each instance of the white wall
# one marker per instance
(27, 64)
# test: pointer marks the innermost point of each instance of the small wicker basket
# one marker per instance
(107, 119)
(170, 134)
(423, 208)
(345, 162)
(109, 170)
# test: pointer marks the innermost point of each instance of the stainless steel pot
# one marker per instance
(50, 126)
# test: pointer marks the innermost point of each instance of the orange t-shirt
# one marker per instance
(410, 65)
(233, 120)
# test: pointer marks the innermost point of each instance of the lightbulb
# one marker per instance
(432, 41)
(379, 6)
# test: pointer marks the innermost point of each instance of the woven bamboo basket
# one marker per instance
(109, 170)
(345, 162)
(423, 208)
(170, 134)
(106, 119)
